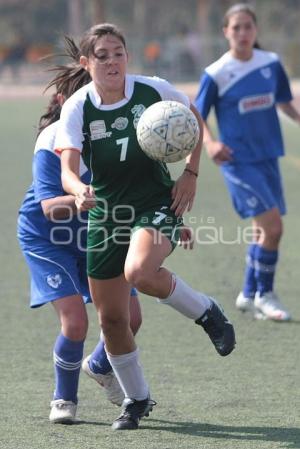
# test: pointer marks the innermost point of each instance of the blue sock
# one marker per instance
(98, 362)
(67, 356)
(249, 287)
(265, 266)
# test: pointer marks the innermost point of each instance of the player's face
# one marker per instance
(241, 34)
(107, 65)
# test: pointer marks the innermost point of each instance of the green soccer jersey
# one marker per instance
(123, 177)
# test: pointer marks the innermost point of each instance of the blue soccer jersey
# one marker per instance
(32, 224)
(244, 95)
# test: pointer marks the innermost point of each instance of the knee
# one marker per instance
(138, 278)
(273, 233)
(75, 327)
(113, 324)
(130, 274)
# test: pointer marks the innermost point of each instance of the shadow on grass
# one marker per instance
(292, 321)
(290, 436)
(80, 422)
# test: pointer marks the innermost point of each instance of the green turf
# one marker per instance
(249, 400)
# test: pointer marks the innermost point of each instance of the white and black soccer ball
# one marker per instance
(168, 131)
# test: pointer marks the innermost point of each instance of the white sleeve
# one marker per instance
(70, 128)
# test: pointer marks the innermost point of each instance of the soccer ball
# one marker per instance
(167, 131)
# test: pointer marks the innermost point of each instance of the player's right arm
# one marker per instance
(216, 150)
(68, 143)
(84, 194)
(205, 99)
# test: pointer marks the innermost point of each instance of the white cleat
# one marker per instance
(244, 304)
(269, 307)
(109, 382)
(62, 412)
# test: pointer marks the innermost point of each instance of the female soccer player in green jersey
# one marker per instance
(53, 238)
(135, 209)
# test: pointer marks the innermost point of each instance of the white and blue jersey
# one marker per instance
(54, 251)
(244, 95)
(47, 184)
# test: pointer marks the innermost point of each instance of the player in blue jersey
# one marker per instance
(244, 86)
(134, 208)
(53, 240)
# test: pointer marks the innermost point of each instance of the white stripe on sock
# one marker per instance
(68, 366)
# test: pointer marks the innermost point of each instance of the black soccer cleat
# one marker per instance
(132, 412)
(218, 328)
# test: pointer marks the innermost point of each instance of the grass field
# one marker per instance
(249, 400)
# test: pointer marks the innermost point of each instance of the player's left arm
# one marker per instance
(283, 94)
(184, 189)
(290, 110)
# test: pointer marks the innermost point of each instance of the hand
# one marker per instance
(183, 193)
(186, 238)
(85, 198)
(218, 152)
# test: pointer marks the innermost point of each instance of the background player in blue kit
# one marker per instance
(53, 240)
(244, 86)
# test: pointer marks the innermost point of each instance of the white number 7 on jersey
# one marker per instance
(160, 216)
(124, 143)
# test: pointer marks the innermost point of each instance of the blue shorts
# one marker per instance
(255, 188)
(56, 272)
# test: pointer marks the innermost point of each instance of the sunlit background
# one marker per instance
(173, 38)
(249, 400)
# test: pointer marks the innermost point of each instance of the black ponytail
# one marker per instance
(51, 115)
(68, 79)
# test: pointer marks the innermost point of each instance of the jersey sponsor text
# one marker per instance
(256, 103)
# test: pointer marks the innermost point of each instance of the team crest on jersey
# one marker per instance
(120, 123)
(137, 111)
(54, 280)
(266, 72)
(98, 130)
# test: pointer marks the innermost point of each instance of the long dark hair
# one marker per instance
(72, 76)
(240, 7)
(68, 79)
